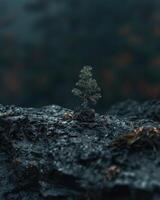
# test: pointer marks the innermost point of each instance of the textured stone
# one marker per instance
(43, 155)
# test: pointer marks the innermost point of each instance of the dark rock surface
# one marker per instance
(46, 155)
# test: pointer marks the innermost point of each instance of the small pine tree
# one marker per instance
(87, 87)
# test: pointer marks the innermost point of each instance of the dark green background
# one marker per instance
(44, 44)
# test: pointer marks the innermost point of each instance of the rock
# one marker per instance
(85, 115)
(44, 155)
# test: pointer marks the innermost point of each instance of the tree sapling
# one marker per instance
(88, 91)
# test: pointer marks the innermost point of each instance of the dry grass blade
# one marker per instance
(136, 135)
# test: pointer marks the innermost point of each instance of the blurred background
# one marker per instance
(45, 43)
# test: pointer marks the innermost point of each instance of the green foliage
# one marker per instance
(87, 87)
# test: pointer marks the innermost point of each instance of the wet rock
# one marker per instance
(44, 155)
(85, 115)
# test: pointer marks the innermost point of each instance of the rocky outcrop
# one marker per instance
(46, 154)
